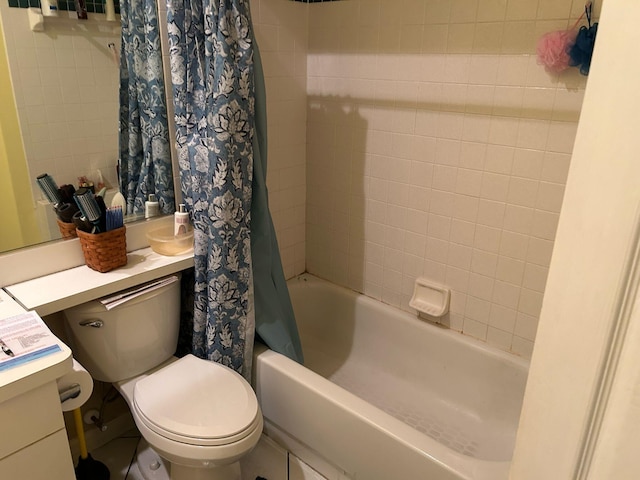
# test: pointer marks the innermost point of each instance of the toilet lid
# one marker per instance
(197, 399)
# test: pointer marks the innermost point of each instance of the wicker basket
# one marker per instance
(68, 230)
(104, 251)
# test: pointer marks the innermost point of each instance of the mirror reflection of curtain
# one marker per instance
(220, 118)
(145, 158)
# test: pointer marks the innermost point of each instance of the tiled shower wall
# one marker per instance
(281, 32)
(437, 147)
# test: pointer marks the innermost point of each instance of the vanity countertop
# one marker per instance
(17, 380)
(58, 291)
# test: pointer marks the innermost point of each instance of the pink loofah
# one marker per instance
(553, 48)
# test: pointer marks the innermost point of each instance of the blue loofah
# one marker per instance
(582, 50)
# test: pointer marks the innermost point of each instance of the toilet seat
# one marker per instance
(197, 402)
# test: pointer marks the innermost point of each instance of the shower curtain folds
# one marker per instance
(213, 75)
(145, 158)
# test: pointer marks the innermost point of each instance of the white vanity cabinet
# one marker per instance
(33, 438)
(34, 444)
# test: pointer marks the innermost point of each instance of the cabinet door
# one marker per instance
(47, 459)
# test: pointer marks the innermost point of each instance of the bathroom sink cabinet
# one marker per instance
(33, 443)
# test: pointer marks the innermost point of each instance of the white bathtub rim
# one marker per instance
(455, 463)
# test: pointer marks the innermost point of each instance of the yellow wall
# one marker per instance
(19, 226)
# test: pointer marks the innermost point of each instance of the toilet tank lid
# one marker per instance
(197, 398)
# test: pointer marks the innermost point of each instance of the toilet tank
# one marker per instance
(128, 339)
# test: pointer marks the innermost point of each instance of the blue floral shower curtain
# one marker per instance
(213, 74)
(145, 159)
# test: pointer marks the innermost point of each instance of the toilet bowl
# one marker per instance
(201, 417)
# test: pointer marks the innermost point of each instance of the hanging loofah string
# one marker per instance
(581, 51)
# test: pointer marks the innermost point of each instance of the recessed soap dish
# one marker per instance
(430, 298)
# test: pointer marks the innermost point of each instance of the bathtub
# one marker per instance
(385, 395)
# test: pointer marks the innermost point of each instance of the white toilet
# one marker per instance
(199, 416)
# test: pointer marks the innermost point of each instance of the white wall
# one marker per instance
(438, 147)
(583, 385)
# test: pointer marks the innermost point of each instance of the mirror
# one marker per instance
(64, 84)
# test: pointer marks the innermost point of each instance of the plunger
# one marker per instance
(88, 468)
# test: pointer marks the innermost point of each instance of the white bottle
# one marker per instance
(181, 221)
(151, 207)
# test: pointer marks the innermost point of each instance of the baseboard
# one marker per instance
(95, 438)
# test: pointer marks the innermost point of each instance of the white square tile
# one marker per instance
(499, 159)
(441, 203)
(426, 123)
(457, 279)
(518, 219)
(465, 208)
(527, 163)
(484, 263)
(472, 155)
(444, 178)
(508, 101)
(416, 221)
(478, 310)
(473, 328)
(494, 187)
(484, 69)
(447, 152)
(454, 97)
(522, 192)
(499, 338)
(476, 128)
(544, 224)
(421, 173)
(521, 346)
(530, 302)
(419, 198)
(533, 133)
(555, 167)
(535, 277)
(550, 196)
(506, 294)
(458, 303)
(487, 238)
(491, 213)
(439, 226)
(437, 250)
(510, 270)
(502, 318)
(434, 270)
(526, 326)
(561, 137)
(459, 256)
(480, 286)
(415, 244)
(462, 232)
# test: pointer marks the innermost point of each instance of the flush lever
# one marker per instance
(92, 322)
